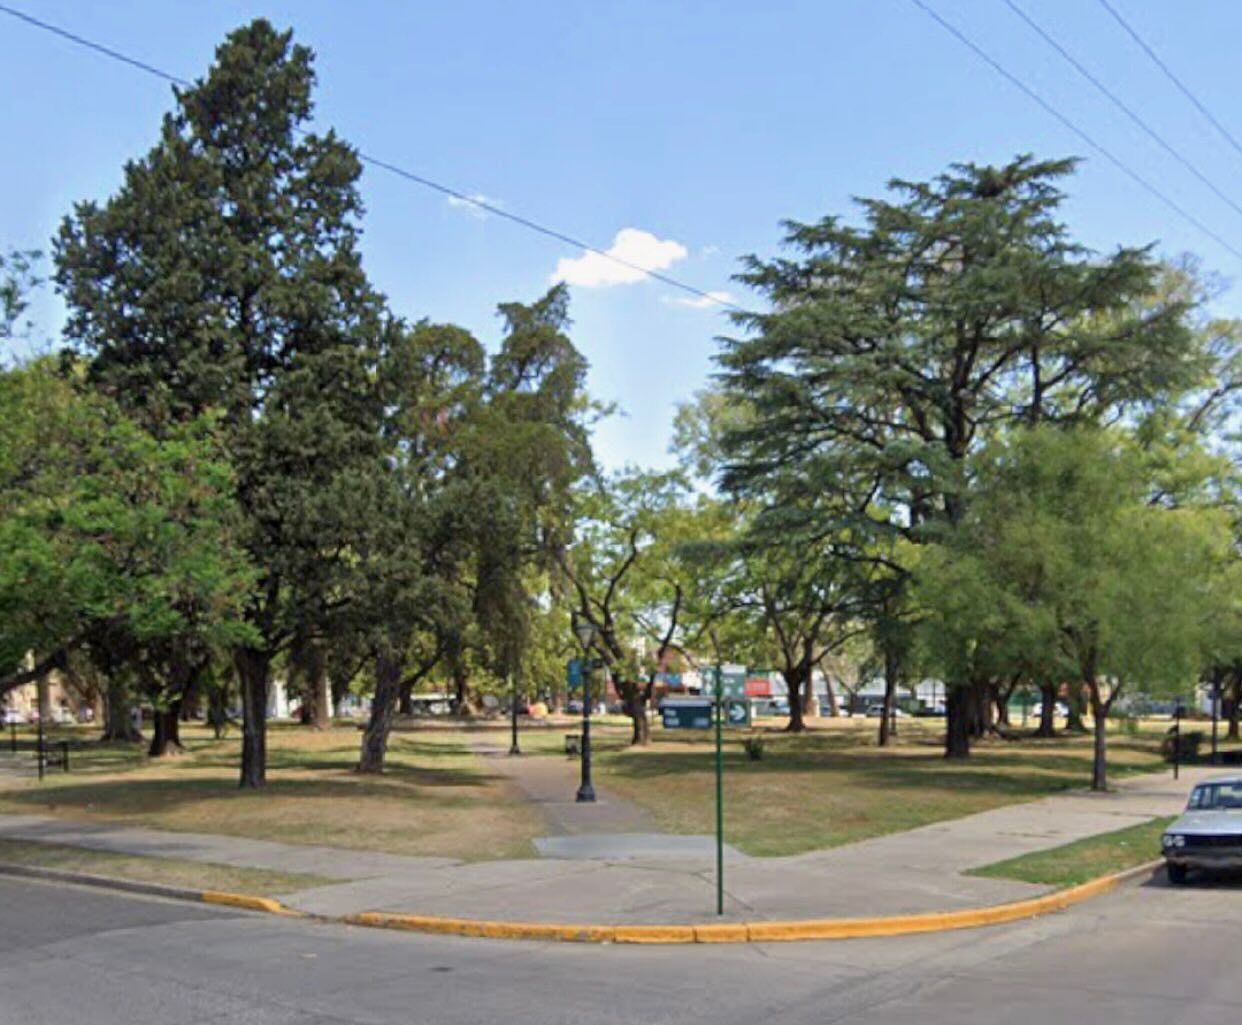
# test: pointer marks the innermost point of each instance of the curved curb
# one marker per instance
(237, 900)
(754, 932)
(720, 932)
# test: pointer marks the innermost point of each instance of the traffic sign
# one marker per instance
(737, 713)
(732, 682)
(573, 673)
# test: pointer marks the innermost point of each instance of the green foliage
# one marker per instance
(17, 280)
(107, 529)
(223, 278)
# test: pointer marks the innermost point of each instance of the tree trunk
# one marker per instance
(117, 724)
(165, 731)
(1099, 762)
(958, 703)
(796, 677)
(319, 694)
(1073, 702)
(1001, 695)
(388, 667)
(405, 700)
(635, 699)
(834, 708)
(1235, 701)
(217, 711)
(891, 669)
(981, 722)
(43, 700)
(460, 683)
(1048, 711)
(253, 671)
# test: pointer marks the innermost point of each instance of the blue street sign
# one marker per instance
(573, 673)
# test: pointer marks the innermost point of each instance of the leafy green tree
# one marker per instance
(893, 349)
(110, 537)
(1082, 569)
(17, 279)
(630, 573)
(224, 276)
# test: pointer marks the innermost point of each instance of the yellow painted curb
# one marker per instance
(654, 934)
(560, 932)
(754, 932)
(716, 932)
(244, 900)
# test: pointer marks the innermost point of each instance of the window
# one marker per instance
(1216, 797)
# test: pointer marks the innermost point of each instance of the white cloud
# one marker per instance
(634, 246)
(471, 206)
(702, 302)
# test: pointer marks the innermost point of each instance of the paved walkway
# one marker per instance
(906, 872)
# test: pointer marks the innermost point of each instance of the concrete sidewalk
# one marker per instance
(650, 878)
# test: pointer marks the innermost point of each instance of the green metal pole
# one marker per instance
(719, 798)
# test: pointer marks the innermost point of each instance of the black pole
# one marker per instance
(1177, 738)
(13, 737)
(513, 744)
(586, 792)
(39, 741)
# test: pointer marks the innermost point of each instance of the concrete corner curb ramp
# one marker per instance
(237, 900)
(723, 932)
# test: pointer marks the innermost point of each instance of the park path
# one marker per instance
(551, 784)
(917, 871)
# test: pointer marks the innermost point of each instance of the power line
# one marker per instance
(1168, 73)
(395, 169)
(1123, 106)
(1049, 108)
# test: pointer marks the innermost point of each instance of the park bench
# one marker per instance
(52, 754)
(573, 744)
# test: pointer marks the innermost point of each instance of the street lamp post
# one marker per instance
(585, 630)
(514, 749)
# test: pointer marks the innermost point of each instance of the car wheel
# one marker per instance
(1176, 873)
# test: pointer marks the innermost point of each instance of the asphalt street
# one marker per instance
(1147, 954)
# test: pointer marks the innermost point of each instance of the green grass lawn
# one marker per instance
(1084, 860)
(168, 871)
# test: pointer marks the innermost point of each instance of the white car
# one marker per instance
(12, 717)
(1209, 834)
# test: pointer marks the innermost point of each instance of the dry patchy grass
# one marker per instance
(434, 799)
(195, 875)
(834, 786)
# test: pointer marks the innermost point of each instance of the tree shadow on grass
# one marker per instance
(985, 772)
(144, 796)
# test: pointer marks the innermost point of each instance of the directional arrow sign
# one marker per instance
(737, 713)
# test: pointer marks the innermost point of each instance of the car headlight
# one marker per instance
(1167, 840)
(1173, 840)
(1179, 841)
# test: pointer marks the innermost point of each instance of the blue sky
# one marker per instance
(701, 124)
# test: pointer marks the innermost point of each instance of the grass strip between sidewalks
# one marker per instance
(1085, 859)
(166, 871)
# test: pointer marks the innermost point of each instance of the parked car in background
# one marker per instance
(12, 717)
(876, 709)
(1208, 836)
(573, 707)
